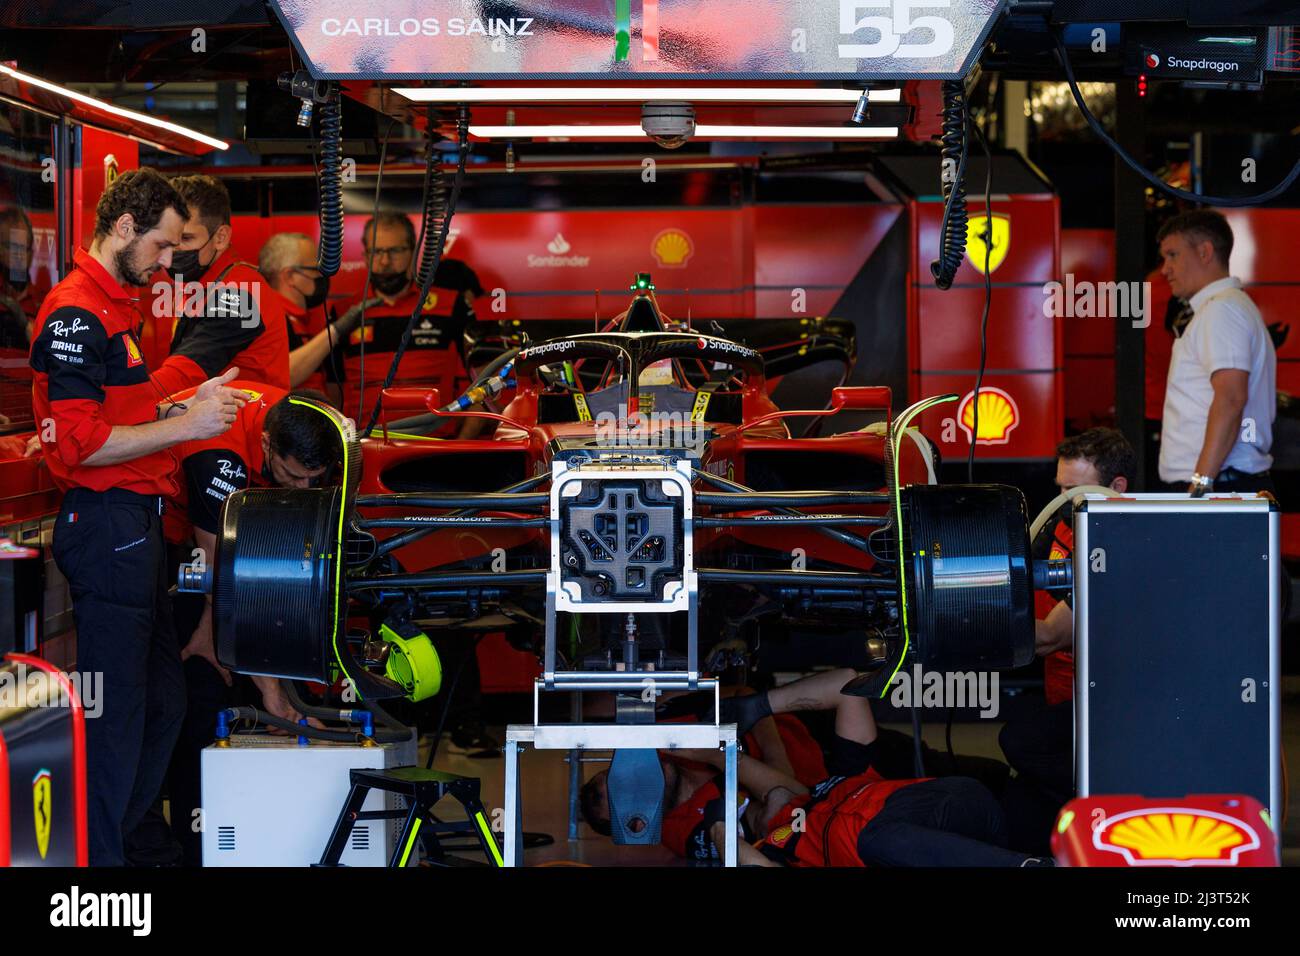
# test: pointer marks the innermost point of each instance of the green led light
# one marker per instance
(1064, 823)
(1267, 818)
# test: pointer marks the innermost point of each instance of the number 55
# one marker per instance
(893, 28)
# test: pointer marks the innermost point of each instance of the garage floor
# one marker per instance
(545, 785)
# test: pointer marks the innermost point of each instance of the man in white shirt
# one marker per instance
(1220, 399)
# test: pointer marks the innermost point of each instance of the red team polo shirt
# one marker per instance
(214, 468)
(90, 375)
(433, 358)
(237, 326)
(1058, 667)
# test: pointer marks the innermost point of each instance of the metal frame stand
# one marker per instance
(576, 738)
(632, 681)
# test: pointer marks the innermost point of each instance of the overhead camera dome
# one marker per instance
(668, 124)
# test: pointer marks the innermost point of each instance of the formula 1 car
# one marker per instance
(640, 488)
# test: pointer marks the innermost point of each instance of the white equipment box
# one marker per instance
(267, 801)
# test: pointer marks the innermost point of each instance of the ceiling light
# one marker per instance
(638, 94)
(115, 110)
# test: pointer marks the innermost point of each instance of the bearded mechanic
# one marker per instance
(106, 434)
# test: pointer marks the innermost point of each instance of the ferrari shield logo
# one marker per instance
(111, 169)
(430, 301)
(41, 805)
(991, 237)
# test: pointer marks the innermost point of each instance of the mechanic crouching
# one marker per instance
(107, 441)
(273, 442)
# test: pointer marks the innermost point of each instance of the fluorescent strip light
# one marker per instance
(115, 110)
(639, 94)
(703, 131)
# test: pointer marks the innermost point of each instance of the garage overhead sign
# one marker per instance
(635, 39)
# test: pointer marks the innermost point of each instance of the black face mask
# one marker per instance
(389, 283)
(185, 264)
(319, 293)
(19, 284)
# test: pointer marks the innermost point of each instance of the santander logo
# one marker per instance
(558, 246)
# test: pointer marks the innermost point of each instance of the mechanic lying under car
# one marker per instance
(854, 817)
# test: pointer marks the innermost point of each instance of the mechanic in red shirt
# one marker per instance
(853, 818)
(1038, 742)
(273, 442)
(434, 356)
(107, 442)
(223, 318)
(294, 282)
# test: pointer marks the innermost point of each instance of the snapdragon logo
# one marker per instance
(947, 689)
(76, 909)
(22, 688)
(1218, 66)
(1075, 299)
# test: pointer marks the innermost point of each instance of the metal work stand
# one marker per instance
(576, 738)
(422, 789)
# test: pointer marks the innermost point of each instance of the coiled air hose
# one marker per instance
(330, 257)
(433, 206)
(952, 232)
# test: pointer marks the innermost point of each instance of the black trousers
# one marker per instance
(949, 821)
(1039, 746)
(109, 545)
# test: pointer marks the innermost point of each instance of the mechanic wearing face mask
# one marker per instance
(288, 263)
(224, 319)
(434, 356)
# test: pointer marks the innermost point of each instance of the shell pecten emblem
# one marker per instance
(672, 248)
(1176, 836)
(999, 415)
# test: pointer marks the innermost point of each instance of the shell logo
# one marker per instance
(672, 248)
(781, 835)
(999, 416)
(133, 357)
(1176, 836)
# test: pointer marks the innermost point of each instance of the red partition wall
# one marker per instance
(1089, 255)
(744, 261)
(1025, 347)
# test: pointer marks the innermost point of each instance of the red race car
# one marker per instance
(638, 488)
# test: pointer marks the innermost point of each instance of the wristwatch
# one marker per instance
(1200, 484)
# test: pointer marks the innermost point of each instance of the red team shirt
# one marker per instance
(90, 375)
(241, 325)
(1058, 667)
(214, 468)
(433, 358)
